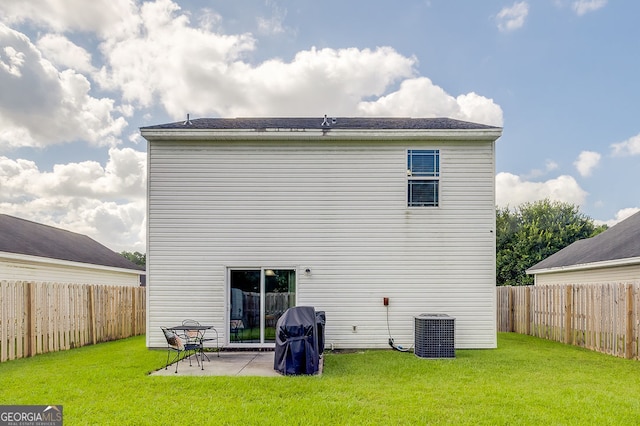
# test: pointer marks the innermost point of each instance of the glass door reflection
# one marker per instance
(280, 294)
(257, 299)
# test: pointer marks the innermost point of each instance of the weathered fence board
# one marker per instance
(40, 317)
(601, 317)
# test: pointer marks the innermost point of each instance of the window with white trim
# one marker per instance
(423, 177)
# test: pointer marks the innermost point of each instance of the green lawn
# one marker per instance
(525, 381)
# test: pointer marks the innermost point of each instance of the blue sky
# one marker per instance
(77, 82)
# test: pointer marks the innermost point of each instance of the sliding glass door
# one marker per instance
(257, 299)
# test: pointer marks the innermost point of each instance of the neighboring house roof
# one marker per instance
(20, 236)
(326, 123)
(618, 245)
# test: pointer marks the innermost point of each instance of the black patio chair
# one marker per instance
(176, 344)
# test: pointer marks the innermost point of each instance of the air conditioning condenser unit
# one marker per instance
(434, 336)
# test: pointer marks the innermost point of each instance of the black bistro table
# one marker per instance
(191, 327)
(201, 329)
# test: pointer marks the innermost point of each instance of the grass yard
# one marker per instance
(525, 381)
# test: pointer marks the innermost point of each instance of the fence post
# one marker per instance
(31, 320)
(133, 312)
(629, 335)
(92, 314)
(568, 313)
(511, 318)
(527, 310)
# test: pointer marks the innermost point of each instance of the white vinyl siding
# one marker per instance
(32, 268)
(338, 208)
(616, 274)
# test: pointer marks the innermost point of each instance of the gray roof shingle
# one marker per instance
(356, 123)
(621, 241)
(22, 236)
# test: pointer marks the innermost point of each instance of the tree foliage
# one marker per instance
(136, 257)
(534, 231)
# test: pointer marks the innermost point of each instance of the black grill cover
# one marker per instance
(296, 350)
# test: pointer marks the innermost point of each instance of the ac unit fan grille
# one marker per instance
(434, 336)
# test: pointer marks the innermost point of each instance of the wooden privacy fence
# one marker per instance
(600, 317)
(36, 318)
(275, 304)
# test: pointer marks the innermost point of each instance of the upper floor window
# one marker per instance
(423, 177)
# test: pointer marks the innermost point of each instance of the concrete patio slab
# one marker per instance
(244, 363)
(227, 364)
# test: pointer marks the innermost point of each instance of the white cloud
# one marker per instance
(419, 97)
(626, 148)
(63, 53)
(165, 60)
(549, 166)
(512, 18)
(105, 203)
(117, 226)
(273, 24)
(619, 217)
(585, 6)
(586, 162)
(40, 105)
(123, 176)
(512, 190)
(335, 81)
(99, 16)
(161, 58)
(479, 109)
(208, 19)
(12, 61)
(171, 62)
(194, 70)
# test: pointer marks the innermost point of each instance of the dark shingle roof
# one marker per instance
(355, 123)
(21, 236)
(621, 241)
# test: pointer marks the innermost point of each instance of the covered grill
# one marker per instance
(297, 350)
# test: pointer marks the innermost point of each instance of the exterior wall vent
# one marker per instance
(434, 336)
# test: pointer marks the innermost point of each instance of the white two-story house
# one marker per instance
(250, 216)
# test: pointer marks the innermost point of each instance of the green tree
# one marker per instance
(534, 231)
(136, 257)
